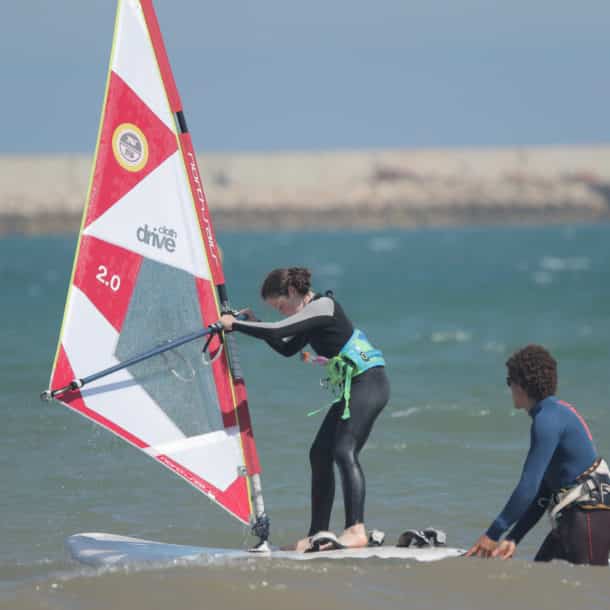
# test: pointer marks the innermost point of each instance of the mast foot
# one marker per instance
(261, 547)
(261, 529)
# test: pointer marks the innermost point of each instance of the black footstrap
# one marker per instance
(429, 537)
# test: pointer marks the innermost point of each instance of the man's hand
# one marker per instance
(483, 547)
(506, 549)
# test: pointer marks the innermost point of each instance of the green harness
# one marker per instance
(355, 357)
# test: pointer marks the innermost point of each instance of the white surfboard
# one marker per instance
(98, 549)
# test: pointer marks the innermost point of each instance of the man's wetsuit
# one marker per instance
(323, 324)
(561, 449)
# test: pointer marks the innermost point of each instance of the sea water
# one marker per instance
(446, 306)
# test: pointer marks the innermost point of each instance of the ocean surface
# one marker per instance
(447, 306)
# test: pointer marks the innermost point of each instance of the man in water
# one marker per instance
(562, 472)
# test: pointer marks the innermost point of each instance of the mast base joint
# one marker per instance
(261, 528)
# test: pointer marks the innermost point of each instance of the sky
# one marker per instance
(278, 75)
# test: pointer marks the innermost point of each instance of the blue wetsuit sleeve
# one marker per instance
(290, 347)
(545, 434)
(531, 517)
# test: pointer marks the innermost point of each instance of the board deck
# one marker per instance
(99, 549)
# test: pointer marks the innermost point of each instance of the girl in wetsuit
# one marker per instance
(354, 366)
(562, 473)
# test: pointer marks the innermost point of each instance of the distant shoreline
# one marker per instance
(330, 220)
(359, 189)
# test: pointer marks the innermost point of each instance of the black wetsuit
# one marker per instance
(582, 536)
(323, 324)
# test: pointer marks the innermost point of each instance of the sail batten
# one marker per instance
(148, 270)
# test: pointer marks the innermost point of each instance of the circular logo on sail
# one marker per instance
(130, 147)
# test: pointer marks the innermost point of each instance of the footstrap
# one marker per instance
(429, 537)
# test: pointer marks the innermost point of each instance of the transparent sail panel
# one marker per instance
(165, 306)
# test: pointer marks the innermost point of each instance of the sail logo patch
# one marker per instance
(161, 238)
(130, 147)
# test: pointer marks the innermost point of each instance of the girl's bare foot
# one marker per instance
(303, 544)
(354, 536)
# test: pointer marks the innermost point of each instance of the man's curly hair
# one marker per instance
(535, 370)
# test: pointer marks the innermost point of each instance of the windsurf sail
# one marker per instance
(147, 271)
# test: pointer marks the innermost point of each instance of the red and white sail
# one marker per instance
(148, 270)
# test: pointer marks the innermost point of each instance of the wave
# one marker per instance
(557, 264)
(452, 336)
(383, 244)
(359, 585)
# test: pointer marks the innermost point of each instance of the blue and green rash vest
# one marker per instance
(561, 449)
(321, 323)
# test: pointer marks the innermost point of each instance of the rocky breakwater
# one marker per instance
(343, 189)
